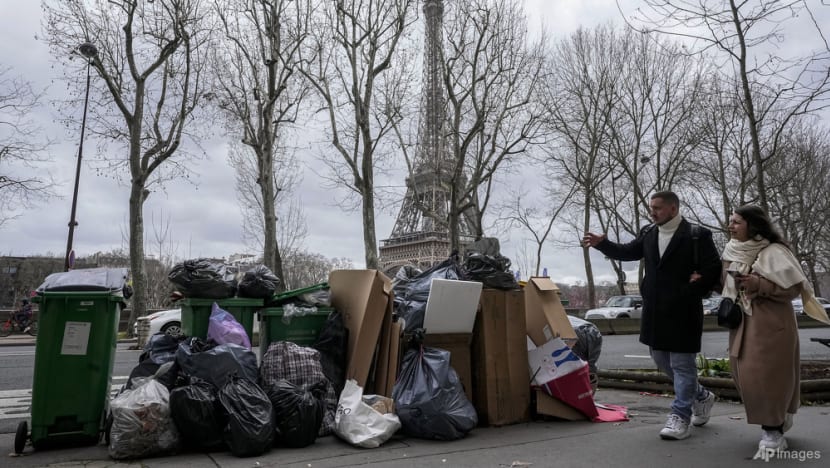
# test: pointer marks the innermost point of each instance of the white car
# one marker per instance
(167, 321)
(618, 307)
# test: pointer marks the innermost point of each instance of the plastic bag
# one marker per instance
(259, 283)
(333, 345)
(430, 399)
(224, 329)
(359, 423)
(483, 262)
(161, 348)
(87, 279)
(250, 427)
(298, 413)
(293, 310)
(216, 364)
(203, 278)
(588, 344)
(300, 366)
(141, 422)
(411, 294)
(198, 415)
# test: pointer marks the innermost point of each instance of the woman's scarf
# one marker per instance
(779, 265)
(741, 256)
(775, 263)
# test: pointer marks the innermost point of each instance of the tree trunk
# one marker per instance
(139, 300)
(586, 254)
(370, 244)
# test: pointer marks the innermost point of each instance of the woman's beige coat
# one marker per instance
(764, 354)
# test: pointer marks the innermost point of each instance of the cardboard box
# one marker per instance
(544, 313)
(501, 381)
(389, 357)
(458, 344)
(549, 406)
(364, 297)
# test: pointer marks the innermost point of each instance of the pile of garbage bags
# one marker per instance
(209, 279)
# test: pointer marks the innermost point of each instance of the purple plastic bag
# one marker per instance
(223, 328)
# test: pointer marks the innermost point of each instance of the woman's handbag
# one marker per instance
(730, 313)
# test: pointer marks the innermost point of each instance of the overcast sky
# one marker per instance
(205, 219)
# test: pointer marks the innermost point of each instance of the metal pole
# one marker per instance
(72, 221)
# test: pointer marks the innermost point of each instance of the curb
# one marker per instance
(25, 340)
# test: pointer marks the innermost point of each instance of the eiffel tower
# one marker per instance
(421, 233)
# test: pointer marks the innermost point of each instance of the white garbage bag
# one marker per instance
(365, 421)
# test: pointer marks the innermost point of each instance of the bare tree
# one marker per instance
(23, 147)
(151, 58)
(303, 269)
(580, 96)
(351, 58)
(747, 34)
(260, 91)
(492, 76)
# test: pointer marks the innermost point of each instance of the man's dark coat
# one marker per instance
(672, 317)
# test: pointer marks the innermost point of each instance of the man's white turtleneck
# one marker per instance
(666, 231)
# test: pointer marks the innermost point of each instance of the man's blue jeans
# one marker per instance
(682, 370)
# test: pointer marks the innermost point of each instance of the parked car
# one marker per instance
(798, 307)
(711, 304)
(618, 307)
(166, 321)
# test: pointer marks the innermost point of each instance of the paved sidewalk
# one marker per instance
(727, 441)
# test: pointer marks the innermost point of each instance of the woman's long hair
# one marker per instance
(759, 224)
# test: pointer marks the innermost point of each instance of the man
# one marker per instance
(23, 315)
(681, 266)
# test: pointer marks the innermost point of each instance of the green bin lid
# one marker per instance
(277, 298)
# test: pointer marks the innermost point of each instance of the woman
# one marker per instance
(763, 350)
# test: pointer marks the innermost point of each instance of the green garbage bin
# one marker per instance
(302, 329)
(74, 357)
(196, 314)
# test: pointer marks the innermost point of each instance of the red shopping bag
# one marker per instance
(574, 388)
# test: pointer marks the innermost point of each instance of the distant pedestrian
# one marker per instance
(681, 267)
(23, 315)
(764, 348)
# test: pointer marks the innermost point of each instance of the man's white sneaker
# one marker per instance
(772, 440)
(788, 422)
(702, 409)
(675, 429)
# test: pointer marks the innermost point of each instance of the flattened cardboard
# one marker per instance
(550, 406)
(451, 306)
(395, 355)
(458, 344)
(501, 381)
(544, 313)
(364, 297)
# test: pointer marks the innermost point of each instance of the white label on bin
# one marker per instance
(75, 338)
(87, 303)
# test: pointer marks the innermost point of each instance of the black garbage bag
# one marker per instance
(198, 415)
(167, 374)
(258, 282)
(588, 344)
(298, 413)
(333, 344)
(411, 293)
(485, 264)
(203, 278)
(249, 430)
(161, 348)
(430, 400)
(216, 364)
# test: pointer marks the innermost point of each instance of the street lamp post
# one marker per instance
(89, 51)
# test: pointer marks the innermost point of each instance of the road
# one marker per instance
(618, 352)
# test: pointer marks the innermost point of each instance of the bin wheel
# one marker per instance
(20, 437)
(32, 328)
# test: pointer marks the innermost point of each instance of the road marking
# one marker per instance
(15, 404)
(636, 356)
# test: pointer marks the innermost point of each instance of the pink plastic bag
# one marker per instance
(223, 328)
